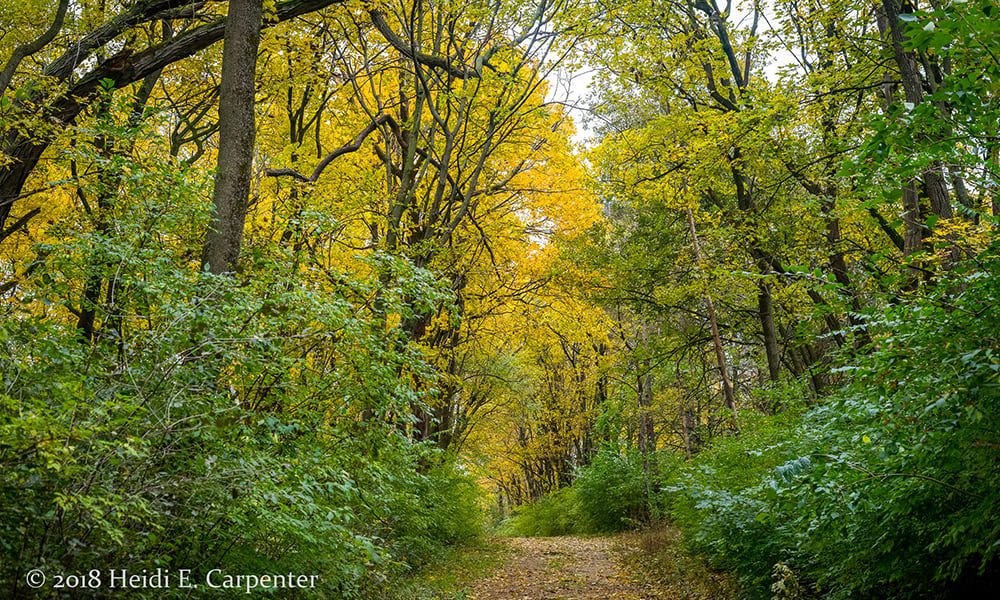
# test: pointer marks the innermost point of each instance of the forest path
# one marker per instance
(566, 568)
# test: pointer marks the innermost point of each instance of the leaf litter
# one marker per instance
(568, 568)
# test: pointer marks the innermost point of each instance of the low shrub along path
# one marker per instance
(565, 568)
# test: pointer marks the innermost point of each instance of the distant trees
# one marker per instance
(777, 169)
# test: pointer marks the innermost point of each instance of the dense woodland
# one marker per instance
(329, 286)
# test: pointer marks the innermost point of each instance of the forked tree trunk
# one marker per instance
(913, 90)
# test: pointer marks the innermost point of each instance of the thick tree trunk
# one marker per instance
(237, 130)
(913, 229)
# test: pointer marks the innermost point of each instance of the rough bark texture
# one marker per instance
(237, 130)
(913, 231)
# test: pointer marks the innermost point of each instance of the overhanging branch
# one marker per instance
(353, 146)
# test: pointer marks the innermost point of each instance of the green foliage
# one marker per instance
(559, 513)
(611, 490)
(248, 424)
(607, 495)
(956, 124)
(705, 498)
(888, 490)
(427, 512)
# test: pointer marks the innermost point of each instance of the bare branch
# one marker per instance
(353, 146)
(407, 50)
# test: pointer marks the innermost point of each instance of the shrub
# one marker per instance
(245, 423)
(429, 511)
(559, 513)
(612, 490)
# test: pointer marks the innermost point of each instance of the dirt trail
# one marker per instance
(564, 568)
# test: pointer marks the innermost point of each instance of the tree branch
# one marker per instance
(25, 50)
(407, 50)
(19, 224)
(25, 149)
(353, 146)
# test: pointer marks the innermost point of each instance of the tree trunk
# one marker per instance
(105, 202)
(765, 305)
(25, 148)
(913, 231)
(913, 91)
(647, 441)
(720, 355)
(686, 432)
(839, 266)
(237, 129)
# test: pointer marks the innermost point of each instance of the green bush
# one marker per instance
(429, 511)
(612, 490)
(137, 458)
(888, 490)
(712, 498)
(558, 513)
(607, 495)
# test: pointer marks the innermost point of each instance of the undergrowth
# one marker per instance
(888, 488)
